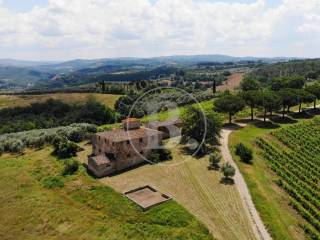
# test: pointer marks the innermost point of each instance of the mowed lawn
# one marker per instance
(82, 209)
(196, 188)
(25, 100)
(271, 202)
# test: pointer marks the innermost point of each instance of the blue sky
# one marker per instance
(23, 5)
(67, 29)
(26, 5)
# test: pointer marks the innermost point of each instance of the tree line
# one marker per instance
(283, 93)
(54, 113)
(309, 69)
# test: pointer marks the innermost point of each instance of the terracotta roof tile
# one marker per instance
(120, 135)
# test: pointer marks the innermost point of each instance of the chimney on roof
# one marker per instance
(131, 123)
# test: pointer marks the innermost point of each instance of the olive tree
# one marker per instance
(215, 159)
(228, 171)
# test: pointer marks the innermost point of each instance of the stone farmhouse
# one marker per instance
(119, 149)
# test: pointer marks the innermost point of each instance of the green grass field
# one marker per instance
(25, 100)
(271, 202)
(191, 184)
(82, 209)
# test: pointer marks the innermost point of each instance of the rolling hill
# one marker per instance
(20, 77)
(28, 74)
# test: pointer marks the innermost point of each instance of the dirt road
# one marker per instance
(257, 224)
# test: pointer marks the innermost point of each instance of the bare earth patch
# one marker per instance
(232, 83)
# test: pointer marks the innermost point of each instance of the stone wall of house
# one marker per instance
(126, 153)
(100, 170)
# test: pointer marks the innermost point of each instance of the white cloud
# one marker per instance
(108, 28)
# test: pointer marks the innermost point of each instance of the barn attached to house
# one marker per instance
(170, 128)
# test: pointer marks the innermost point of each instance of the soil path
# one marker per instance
(257, 224)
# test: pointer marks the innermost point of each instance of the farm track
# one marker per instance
(256, 222)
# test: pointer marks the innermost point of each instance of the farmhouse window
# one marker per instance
(128, 142)
(141, 140)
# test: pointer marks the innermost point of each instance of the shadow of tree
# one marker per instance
(186, 150)
(314, 111)
(283, 120)
(214, 167)
(227, 181)
(232, 126)
(301, 115)
(265, 125)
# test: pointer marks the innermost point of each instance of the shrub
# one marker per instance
(37, 142)
(154, 157)
(228, 170)
(215, 159)
(70, 167)
(16, 146)
(165, 154)
(244, 153)
(52, 182)
(76, 135)
(160, 155)
(63, 148)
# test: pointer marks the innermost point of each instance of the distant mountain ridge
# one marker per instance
(23, 74)
(79, 63)
(6, 62)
